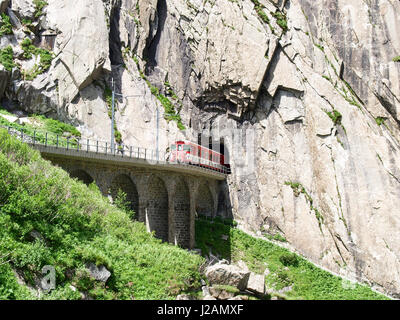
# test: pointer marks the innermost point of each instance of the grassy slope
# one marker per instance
(78, 225)
(308, 281)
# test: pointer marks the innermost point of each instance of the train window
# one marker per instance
(180, 147)
(173, 147)
(186, 148)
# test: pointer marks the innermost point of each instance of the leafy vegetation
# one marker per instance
(7, 58)
(380, 121)
(39, 5)
(77, 225)
(28, 48)
(281, 20)
(396, 59)
(308, 281)
(335, 116)
(5, 26)
(46, 57)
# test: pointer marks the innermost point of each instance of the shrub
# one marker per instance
(6, 26)
(281, 20)
(122, 203)
(288, 259)
(379, 120)
(28, 48)
(284, 278)
(39, 5)
(396, 59)
(46, 58)
(6, 58)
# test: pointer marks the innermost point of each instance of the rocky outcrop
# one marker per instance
(315, 83)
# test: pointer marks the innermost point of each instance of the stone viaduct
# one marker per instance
(166, 197)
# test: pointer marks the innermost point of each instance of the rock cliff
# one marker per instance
(315, 82)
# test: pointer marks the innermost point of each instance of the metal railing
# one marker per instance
(47, 139)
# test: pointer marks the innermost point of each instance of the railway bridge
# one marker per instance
(165, 196)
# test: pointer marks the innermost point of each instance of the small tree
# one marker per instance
(121, 202)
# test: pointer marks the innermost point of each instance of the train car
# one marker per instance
(192, 153)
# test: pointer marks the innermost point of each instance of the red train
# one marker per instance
(192, 153)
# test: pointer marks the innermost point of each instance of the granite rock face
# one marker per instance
(315, 83)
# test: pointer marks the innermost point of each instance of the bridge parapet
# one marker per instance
(96, 150)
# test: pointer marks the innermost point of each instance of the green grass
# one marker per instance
(78, 226)
(309, 282)
(396, 59)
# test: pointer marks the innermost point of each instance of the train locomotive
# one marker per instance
(194, 154)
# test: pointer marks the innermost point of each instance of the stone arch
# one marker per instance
(182, 214)
(124, 183)
(81, 175)
(204, 201)
(157, 208)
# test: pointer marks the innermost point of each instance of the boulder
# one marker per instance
(99, 273)
(225, 274)
(256, 283)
